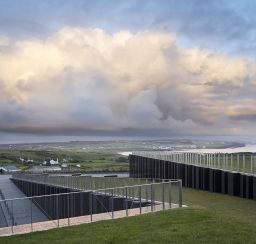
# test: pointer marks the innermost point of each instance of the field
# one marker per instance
(95, 156)
(96, 161)
(210, 218)
(89, 161)
(126, 145)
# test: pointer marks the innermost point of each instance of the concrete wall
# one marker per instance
(209, 179)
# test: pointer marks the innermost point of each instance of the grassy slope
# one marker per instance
(210, 218)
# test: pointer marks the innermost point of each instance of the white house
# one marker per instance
(9, 169)
(53, 162)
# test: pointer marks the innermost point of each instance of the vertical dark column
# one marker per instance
(155, 168)
(236, 183)
(136, 168)
(254, 187)
(193, 169)
(186, 176)
(217, 180)
(146, 168)
(242, 185)
(222, 182)
(182, 173)
(151, 168)
(161, 169)
(197, 176)
(249, 193)
(130, 164)
(206, 179)
(230, 181)
(168, 169)
(211, 180)
(190, 175)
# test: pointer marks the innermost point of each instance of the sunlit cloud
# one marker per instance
(83, 80)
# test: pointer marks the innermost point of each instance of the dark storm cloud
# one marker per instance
(244, 117)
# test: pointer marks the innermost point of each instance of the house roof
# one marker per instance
(10, 168)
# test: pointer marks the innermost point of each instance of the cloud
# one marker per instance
(4, 41)
(244, 117)
(81, 80)
(221, 25)
(218, 68)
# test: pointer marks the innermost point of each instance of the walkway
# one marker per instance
(46, 225)
(8, 190)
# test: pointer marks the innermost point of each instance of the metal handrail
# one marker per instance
(86, 191)
(234, 162)
(109, 194)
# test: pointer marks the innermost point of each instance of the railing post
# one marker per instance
(123, 192)
(96, 185)
(231, 162)
(133, 191)
(57, 206)
(126, 201)
(31, 217)
(237, 160)
(12, 216)
(112, 203)
(169, 194)
(180, 193)
(253, 171)
(147, 193)
(152, 197)
(163, 194)
(243, 163)
(251, 164)
(90, 203)
(140, 197)
(68, 209)
(218, 160)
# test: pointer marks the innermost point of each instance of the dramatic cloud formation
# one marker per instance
(81, 80)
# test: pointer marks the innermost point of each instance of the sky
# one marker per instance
(127, 68)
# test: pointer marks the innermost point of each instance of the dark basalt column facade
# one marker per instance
(194, 176)
(77, 203)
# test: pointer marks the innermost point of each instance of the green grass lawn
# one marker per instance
(210, 218)
(104, 165)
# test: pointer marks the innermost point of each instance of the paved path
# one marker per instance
(46, 225)
(21, 208)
